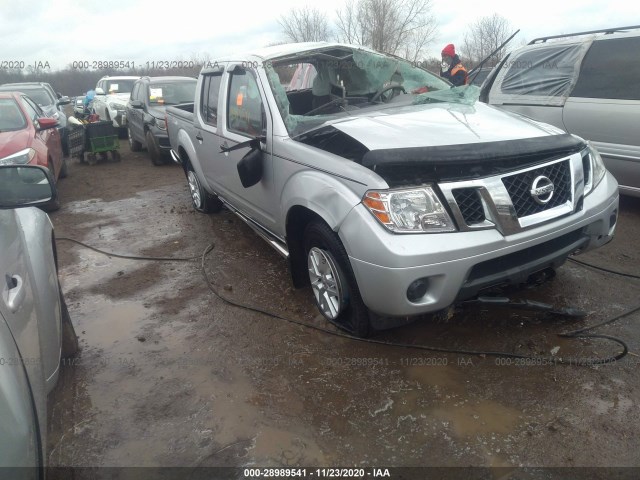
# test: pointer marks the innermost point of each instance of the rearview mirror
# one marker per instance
(25, 186)
(64, 100)
(136, 104)
(99, 91)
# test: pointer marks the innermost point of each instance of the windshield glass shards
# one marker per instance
(348, 81)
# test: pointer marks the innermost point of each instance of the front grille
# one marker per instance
(519, 188)
(470, 204)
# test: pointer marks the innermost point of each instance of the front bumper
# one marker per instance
(458, 265)
(161, 138)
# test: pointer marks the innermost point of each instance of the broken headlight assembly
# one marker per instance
(416, 210)
(593, 167)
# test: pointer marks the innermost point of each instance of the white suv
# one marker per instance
(112, 94)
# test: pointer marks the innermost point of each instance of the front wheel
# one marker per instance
(202, 200)
(154, 150)
(332, 281)
(134, 145)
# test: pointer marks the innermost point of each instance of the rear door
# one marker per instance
(604, 106)
(207, 141)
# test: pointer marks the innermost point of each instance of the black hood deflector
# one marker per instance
(411, 166)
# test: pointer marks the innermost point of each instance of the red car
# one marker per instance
(28, 136)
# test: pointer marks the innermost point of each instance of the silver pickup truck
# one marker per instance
(390, 192)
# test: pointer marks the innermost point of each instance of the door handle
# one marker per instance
(14, 293)
(199, 137)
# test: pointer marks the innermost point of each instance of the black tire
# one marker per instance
(70, 346)
(153, 149)
(115, 155)
(353, 315)
(202, 200)
(134, 145)
(64, 170)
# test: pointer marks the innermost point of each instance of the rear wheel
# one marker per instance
(202, 200)
(332, 280)
(134, 145)
(154, 150)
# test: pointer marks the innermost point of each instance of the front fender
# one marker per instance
(323, 194)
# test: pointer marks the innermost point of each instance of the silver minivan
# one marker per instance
(586, 83)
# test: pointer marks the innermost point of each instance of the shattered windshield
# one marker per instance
(348, 82)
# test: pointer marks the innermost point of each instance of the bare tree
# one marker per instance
(399, 27)
(483, 37)
(305, 25)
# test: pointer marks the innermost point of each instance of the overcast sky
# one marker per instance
(62, 31)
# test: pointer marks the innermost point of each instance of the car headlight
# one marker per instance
(20, 158)
(409, 211)
(116, 106)
(161, 124)
(593, 166)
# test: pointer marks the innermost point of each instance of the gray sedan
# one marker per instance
(35, 328)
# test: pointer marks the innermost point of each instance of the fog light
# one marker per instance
(417, 290)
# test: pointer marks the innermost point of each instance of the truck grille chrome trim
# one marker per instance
(517, 200)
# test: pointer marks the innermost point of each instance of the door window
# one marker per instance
(611, 70)
(244, 104)
(210, 95)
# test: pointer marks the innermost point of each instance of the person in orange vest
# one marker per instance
(452, 68)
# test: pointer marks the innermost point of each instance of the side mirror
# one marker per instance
(25, 186)
(45, 123)
(250, 166)
(99, 91)
(64, 100)
(136, 104)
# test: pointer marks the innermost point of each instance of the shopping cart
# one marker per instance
(90, 141)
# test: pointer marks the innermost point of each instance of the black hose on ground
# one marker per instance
(536, 359)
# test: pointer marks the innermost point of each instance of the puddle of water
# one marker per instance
(283, 448)
(104, 323)
(480, 418)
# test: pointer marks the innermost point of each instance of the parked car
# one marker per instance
(478, 76)
(78, 106)
(585, 83)
(28, 136)
(146, 113)
(51, 103)
(35, 328)
(110, 101)
(389, 203)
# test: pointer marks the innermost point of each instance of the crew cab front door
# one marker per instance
(244, 116)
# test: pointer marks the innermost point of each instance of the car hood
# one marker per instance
(12, 142)
(157, 111)
(121, 98)
(440, 125)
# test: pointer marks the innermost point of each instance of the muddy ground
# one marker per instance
(171, 375)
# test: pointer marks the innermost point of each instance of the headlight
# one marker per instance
(593, 166)
(161, 124)
(409, 211)
(20, 158)
(116, 106)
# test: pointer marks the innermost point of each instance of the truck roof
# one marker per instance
(287, 49)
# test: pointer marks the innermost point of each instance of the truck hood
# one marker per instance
(13, 142)
(439, 125)
(441, 142)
